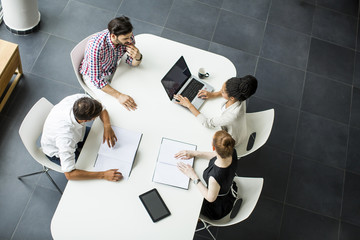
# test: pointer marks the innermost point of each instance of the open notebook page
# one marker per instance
(166, 170)
(122, 155)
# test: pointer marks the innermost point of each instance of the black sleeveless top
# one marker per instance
(224, 177)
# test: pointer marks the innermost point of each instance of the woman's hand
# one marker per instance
(187, 170)
(184, 101)
(185, 154)
(204, 94)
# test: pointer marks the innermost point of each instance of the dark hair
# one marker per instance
(120, 26)
(223, 143)
(86, 108)
(241, 88)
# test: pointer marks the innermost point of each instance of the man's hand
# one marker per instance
(133, 51)
(109, 136)
(127, 102)
(113, 175)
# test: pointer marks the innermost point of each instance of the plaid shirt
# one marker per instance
(101, 57)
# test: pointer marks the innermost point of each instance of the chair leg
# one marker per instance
(202, 227)
(31, 174)
(45, 170)
(53, 182)
(206, 226)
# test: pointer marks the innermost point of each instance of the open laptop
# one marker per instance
(180, 81)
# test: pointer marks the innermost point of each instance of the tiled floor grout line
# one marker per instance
(207, 4)
(215, 27)
(296, 133)
(167, 17)
(341, 203)
(348, 132)
(312, 211)
(118, 9)
(62, 37)
(62, 11)
(186, 34)
(93, 6)
(297, 109)
(153, 24)
(332, 43)
(302, 208)
(25, 208)
(256, 55)
(243, 15)
(303, 111)
(33, 64)
(319, 6)
(255, 70)
(351, 223)
(322, 163)
(278, 25)
(334, 10)
(59, 82)
(329, 78)
(263, 37)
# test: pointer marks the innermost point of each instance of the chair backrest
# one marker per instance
(31, 128)
(77, 55)
(249, 190)
(261, 123)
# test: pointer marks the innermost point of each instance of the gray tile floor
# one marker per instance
(305, 54)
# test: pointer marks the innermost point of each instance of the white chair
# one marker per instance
(77, 55)
(30, 130)
(260, 123)
(249, 190)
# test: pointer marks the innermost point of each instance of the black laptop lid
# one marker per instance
(176, 77)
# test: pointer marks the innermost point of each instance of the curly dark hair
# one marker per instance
(241, 88)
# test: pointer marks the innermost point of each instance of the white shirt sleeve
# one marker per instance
(66, 148)
(226, 118)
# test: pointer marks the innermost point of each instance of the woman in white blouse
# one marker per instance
(235, 91)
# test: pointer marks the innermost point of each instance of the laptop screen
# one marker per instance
(176, 77)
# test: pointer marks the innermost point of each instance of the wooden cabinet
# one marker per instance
(10, 64)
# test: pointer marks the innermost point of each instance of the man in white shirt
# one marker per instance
(65, 131)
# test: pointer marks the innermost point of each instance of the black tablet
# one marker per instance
(154, 205)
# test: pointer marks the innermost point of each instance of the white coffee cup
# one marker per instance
(202, 73)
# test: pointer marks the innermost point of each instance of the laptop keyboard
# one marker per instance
(192, 89)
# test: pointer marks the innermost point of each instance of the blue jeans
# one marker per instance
(56, 160)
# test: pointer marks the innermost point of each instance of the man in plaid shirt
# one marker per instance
(102, 54)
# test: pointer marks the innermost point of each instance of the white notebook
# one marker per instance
(166, 170)
(122, 155)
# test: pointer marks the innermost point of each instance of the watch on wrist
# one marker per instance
(196, 181)
(139, 58)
